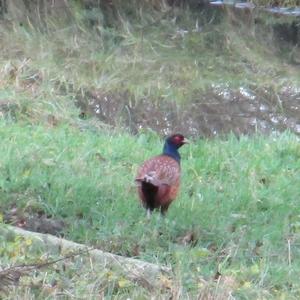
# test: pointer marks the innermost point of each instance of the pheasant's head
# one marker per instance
(172, 144)
(176, 140)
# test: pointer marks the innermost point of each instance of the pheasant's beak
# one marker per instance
(186, 141)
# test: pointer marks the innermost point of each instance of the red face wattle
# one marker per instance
(178, 140)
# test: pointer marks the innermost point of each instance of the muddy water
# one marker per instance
(218, 111)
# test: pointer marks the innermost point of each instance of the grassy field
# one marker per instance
(239, 200)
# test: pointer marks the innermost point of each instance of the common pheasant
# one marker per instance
(158, 179)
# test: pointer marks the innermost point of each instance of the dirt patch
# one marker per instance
(218, 111)
(8, 109)
(36, 221)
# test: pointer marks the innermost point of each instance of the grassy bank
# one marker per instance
(157, 56)
(239, 199)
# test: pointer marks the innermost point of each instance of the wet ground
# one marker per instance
(217, 111)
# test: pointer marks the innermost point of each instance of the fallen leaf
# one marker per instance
(188, 238)
(123, 282)
(166, 282)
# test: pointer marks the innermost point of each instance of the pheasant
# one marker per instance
(158, 179)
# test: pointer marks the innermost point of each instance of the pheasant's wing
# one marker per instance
(159, 170)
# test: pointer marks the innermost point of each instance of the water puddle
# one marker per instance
(283, 11)
(218, 111)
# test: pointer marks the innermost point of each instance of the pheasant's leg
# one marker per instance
(148, 213)
(164, 208)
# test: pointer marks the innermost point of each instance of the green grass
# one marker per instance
(240, 197)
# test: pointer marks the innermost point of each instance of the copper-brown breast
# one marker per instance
(165, 170)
